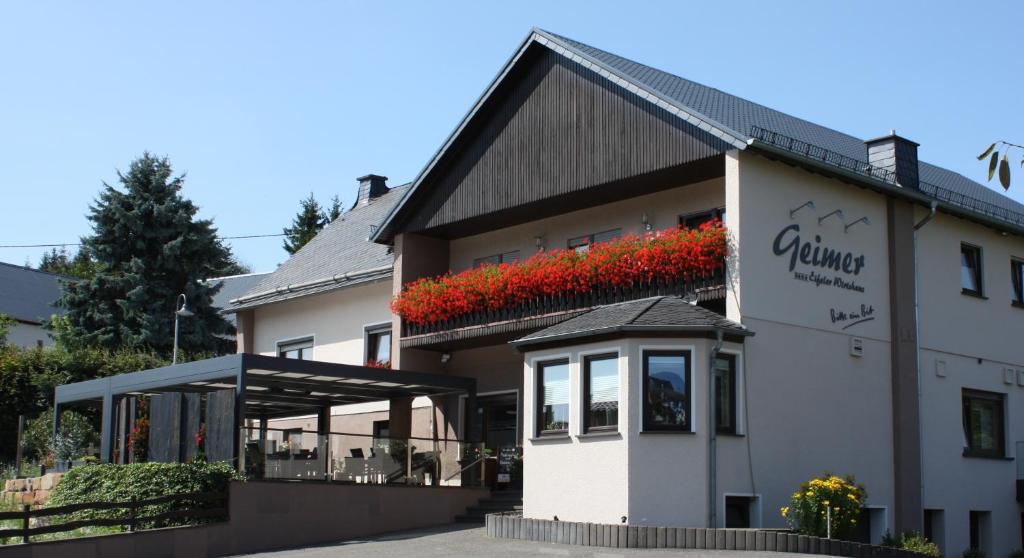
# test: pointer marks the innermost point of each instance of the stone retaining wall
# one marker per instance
(32, 491)
(509, 526)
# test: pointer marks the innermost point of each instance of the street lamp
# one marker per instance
(182, 312)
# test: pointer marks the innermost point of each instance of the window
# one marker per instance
(725, 393)
(553, 397)
(666, 397)
(742, 512)
(1017, 280)
(293, 440)
(983, 424)
(506, 257)
(583, 243)
(378, 346)
(300, 350)
(601, 389)
(970, 269)
(695, 220)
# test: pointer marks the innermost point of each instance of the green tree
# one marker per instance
(148, 246)
(6, 322)
(310, 219)
(334, 212)
(60, 262)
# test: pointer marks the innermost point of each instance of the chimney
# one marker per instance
(371, 186)
(895, 154)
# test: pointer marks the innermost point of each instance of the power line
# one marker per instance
(64, 244)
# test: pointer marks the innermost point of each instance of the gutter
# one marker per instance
(338, 278)
(521, 344)
(713, 435)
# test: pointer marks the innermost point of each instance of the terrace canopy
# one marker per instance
(248, 386)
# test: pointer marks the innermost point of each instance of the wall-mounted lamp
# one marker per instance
(538, 241)
(445, 357)
(838, 212)
(864, 220)
(793, 212)
(646, 222)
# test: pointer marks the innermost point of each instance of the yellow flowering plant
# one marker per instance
(809, 507)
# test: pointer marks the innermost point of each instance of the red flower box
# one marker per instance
(668, 256)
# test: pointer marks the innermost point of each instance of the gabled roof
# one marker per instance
(340, 255)
(27, 294)
(726, 116)
(234, 286)
(649, 315)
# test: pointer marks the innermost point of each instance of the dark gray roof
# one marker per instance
(335, 258)
(655, 314)
(739, 115)
(727, 116)
(234, 286)
(28, 294)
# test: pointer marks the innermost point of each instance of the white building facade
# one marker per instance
(867, 322)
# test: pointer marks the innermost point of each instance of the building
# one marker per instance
(866, 320)
(29, 297)
(232, 287)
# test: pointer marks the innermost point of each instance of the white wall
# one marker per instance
(576, 478)
(28, 335)
(336, 320)
(968, 343)
(662, 208)
(813, 407)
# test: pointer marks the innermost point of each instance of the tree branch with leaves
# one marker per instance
(1002, 164)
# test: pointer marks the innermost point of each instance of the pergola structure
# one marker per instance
(258, 387)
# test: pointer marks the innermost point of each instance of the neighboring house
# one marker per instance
(232, 287)
(868, 321)
(330, 301)
(28, 296)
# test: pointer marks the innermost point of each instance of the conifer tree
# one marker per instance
(305, 225)
(60, 262)
(148, 247)
(334, 212)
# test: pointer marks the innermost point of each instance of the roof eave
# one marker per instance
(630, 329)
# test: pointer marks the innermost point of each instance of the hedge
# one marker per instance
(139, 481)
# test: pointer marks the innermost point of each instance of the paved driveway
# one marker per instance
(456, 541)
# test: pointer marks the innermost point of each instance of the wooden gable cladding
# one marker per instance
(553, 130)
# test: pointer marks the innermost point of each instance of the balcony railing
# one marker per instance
(708, 286)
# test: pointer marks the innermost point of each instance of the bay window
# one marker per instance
(552, 386)
(666, 390)
(601, 392)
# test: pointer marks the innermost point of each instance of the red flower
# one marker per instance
(666, 256)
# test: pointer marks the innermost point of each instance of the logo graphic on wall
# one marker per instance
(814, 262)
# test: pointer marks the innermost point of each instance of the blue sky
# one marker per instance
(261, 103)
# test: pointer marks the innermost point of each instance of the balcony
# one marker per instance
(497, 302)
(491, 326)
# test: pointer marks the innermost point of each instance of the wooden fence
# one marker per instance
(218, 510)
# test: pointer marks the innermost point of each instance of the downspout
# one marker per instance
(713, 435)
(917, 335)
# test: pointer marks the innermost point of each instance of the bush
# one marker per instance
(915, 542)
(808, 510)
(29, 376)
(76, 433)
(138, 481)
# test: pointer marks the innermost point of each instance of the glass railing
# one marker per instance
(290, 454)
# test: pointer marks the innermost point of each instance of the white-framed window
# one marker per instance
(600, 391)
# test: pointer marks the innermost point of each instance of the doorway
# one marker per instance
(496, 425)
